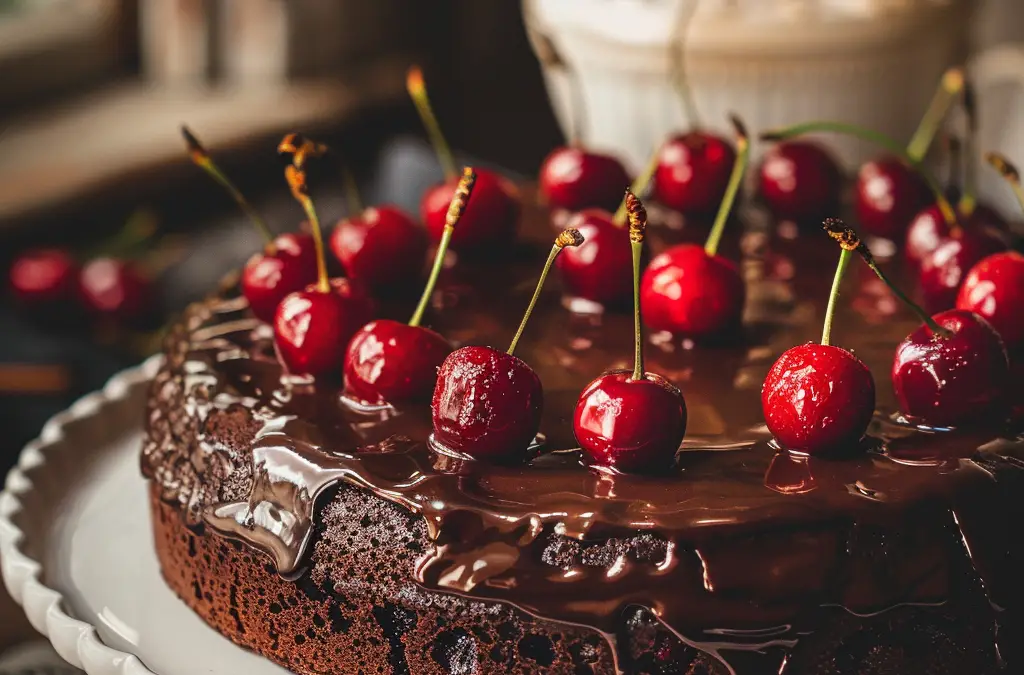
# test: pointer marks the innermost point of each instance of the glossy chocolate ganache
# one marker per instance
(743, 552)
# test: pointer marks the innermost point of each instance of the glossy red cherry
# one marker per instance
(994, 290)
(688, 292)
(269, 276)
(389, 361)
(631, 420)
(944, 269)
(381, 248)
(818, 399)
(116, 289)
(693, 172)
(929, 229)
(960, 378)
(491, 218)
(800, 180)
(312, 328)
(887, 195)
(600, 268)
(572, 178)
(487, 404)
(43, 278)
(630, 425)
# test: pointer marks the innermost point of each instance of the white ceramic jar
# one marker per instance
(774, 62)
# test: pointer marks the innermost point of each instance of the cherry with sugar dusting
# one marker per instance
(494, 214)
(819, 398)
(631, 421)
(389, 361)
(487, 403)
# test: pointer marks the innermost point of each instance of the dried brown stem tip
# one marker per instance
(414, 81)
(739, 127)
(296, 178)
(1001, 164)
(846, 237)
(300, 148)
(569, 237)
(461, 198)
(637, 217)
(196, 151)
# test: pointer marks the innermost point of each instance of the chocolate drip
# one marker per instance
(733, 551)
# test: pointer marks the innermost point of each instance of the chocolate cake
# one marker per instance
(331, 538)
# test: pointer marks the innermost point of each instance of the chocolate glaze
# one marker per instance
(737, 548)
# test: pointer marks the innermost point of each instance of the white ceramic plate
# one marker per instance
(76, 548)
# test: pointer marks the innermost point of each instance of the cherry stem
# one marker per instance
(352, 198)
(739, 167)
(881, 140)
(201, 158)
(830, 310)
(679, 78)
(969, 200)
(639, 186)
(850, 241)
(569, 237)
(956, 159)
(418, 92)
(455, 211)
(951, 84)
(296, 178)
(139, 228)
(1009, 173)
(637, 230)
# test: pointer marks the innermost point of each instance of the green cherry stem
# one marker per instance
(417, 89)
(739, 167)
(201, 158)
(569, 237)
(850, 241)
(949, 87)
(637, 230)
(639, 186)
(296, 178)
(969, 200)
(833, 296)
(352, 199)
(1009, 173)
(881, 140)
(455, 211)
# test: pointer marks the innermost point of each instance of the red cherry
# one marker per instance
(312, 328)
(887, 194)
(944, 269)
(630, 424)
(43, 278)
(929, 229)
(800, 180)
(600, 268)
(116, 289)
(818, 399)
(268, 277)
(487, 404)
(994, 290)
(380, 248)
(686, 291)
(388, 361)
(491, 218)
(945, 381)
(573, 179)
(693, 172)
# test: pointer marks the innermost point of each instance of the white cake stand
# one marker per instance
(76, 549)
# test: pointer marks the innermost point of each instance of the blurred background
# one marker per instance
(94, 91)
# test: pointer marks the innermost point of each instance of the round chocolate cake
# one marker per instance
(332, 538)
